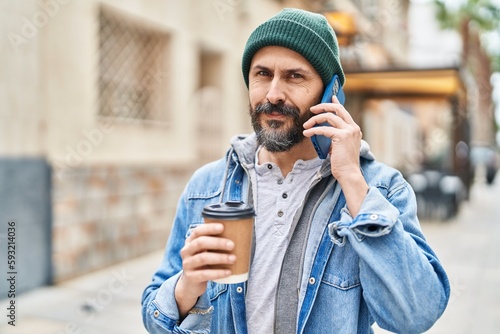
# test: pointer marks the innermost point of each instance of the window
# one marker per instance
(208, 98)
(132, 68)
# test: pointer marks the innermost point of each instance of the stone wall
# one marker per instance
(107, 214)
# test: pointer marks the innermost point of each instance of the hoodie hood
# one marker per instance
(365, 152)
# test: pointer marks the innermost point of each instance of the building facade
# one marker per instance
(113, 104)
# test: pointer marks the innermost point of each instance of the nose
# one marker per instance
(276, 93)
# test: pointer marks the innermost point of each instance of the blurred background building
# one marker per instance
(107, 107)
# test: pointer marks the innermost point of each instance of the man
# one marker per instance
(337, 243)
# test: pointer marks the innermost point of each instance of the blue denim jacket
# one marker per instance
(375, 267)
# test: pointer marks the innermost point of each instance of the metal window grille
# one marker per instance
(132, 68)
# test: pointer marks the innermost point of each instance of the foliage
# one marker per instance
(483, 13)
(495, 63)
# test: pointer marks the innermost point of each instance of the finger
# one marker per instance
(206, 229)
(335, 108)
(326, 107)
(201, 260)
(207, 274)
(329, 118)
(349, 131)
(326, 131)
(204, 243)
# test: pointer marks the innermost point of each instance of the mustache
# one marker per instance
(281, 108)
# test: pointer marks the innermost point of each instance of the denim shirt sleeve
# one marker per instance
(404, 284)
(162, 315)
(159, 308)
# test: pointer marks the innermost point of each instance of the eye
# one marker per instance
(263, 73)
(296, 76)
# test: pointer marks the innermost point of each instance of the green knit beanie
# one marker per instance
(306, 33)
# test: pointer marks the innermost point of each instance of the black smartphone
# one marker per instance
(322, 143)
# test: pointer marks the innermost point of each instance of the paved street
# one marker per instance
(108, 301)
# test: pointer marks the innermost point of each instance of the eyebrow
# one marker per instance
(290, 70)
(260, 67)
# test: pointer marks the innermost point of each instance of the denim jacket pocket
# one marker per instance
(221, 301)
(214, 290)
(341, 283)
(342, 268)
(339, 292)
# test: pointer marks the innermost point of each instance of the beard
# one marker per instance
(278, 135)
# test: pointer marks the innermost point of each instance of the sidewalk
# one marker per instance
(105, 302)
(108, 301)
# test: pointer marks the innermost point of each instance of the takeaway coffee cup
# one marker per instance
(237, 219)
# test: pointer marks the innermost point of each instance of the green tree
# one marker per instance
(474, 19)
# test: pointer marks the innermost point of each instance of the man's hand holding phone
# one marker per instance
(343, 133)
(333, 121)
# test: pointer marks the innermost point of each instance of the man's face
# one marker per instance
(283, 85)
